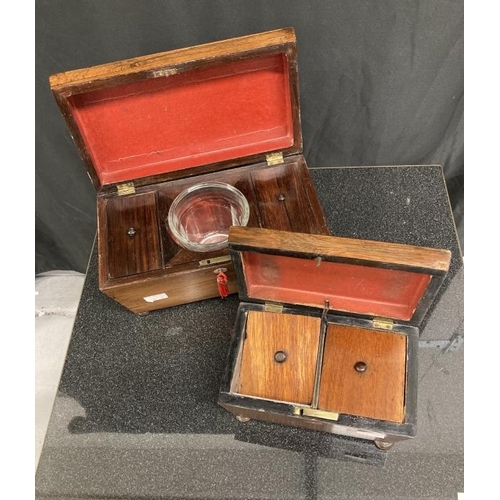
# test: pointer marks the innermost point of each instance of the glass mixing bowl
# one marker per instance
(200, 216)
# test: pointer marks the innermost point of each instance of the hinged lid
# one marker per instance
(186, 111)
(368, 278)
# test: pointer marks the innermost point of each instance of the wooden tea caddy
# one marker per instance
(149, 127)
(326, 335)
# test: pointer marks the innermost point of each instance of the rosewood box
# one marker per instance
(326, 334)
(150, 127)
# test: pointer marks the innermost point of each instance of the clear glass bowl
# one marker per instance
(200, 217)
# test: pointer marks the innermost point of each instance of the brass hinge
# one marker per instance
(313, 412)
(274, 158)
(383, 323)
(125, 188)
(271, 307)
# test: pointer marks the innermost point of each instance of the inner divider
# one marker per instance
(235, 379)
(319, 359)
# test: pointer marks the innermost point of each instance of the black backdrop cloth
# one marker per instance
(381, 83)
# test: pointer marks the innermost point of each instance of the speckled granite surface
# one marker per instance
(136, 414)
(402, 205)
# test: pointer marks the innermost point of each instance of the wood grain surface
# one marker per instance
(379, 391)
(133, 235)
(286, 200)
(179, 274)
(267, 333)
(92, 77)
(334, 247)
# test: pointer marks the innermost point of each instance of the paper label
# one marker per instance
(154, 298)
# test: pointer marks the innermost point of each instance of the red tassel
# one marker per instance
(222, 285)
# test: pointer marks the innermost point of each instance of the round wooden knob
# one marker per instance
(280, 356)
(360, 366)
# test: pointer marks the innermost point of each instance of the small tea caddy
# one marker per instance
(326, 333)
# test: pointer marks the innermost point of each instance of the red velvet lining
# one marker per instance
(352, 288)
(180, 121)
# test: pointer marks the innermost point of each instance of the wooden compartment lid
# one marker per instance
(368, 278)
(186, 111)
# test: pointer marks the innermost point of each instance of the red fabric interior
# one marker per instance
(351, 288)
(180, 121)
